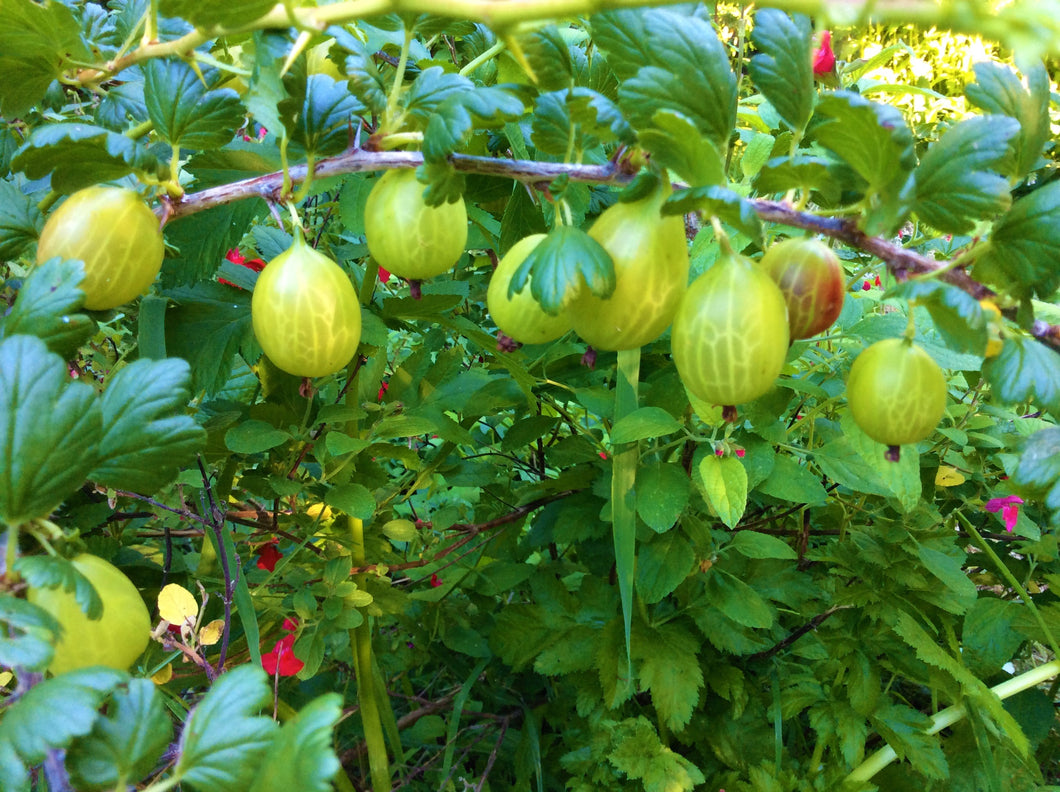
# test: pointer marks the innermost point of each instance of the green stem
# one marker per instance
(11, 551)
(361, 643)
(1006, 573)
(947, 717)
(399, 80)
(474, 63)
(623, 493)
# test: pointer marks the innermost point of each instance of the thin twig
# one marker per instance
(217, 524)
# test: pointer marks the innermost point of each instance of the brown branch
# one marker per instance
(796, 634)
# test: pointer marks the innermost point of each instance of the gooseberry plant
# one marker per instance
(402, 549)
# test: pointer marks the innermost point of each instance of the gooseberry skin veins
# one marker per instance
(650, 253)
(305, 313)
(117, 237)
(812, 281)
(521, 317)
(116, 639)
(730, 334)
(896, 392)
(407, 237)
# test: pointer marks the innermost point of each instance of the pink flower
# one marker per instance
(603, 455)
(1009, 507)
(290, 624)
(866, 286)
(823, 57)
(719, 452)
(268, 556)
(877, 280)
(740, 453)
(435, 580)
(281, 659)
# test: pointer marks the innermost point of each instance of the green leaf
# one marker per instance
(57, 710)
(721, 202)
(43, 460)
(319, 119)
(46, 307)
(1025, 369)
(676, 144)
(231, 13)
(1025, 245)
(793, 482)
(20, 220)
(428, 91)
(904, 729)
(662, 564)
(147, 435)
(989, 637)
(738, 601)
(957, 182)
(253, 437)
(998, 90)
(752, 544)
(353, 499)
(576, 119)
(947, 564)
(125, 744)
(184, 113)
(1038, 469)
(80, 155)
(781, 174)
(302, 756)
(901, 477)
(640, 755)
(365, 80)
(841, 463)
(724, 482)
(669, 61)
(30, 39)
(223, 744)
(549, 57)
(55, 572)
(522, 217)
(14, 777)
(957, 315)
(783, 68)
(567, 259)
(644, 423)
(28, 635)
(662, 493)
(669, 669)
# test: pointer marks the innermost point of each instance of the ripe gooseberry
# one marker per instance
(650, 253)
(897, 393)
(521, 317)
(730, 334)
(811, 279)
(117, 237)
(305, 312)
(406, 236)
(116, 639)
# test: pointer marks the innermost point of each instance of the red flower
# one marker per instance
(290, 624)
(281, 659)
(603, 455)
(740, 453)
(268, 556)
(383, 387)
(719, 452)
(877, 280)
(435, 580)
(866, 286)
(384, 275)
(236, 257)
(823, 57)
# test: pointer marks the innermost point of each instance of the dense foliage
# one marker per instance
(404, 550)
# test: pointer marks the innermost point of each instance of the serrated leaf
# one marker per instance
(184, 113)
(147, 435)
(123, 746)
(44, 461)
(669, 669)
(522, 217)
(431, 87)
(958, 317)
(957, 182)
(28, 636)
(662, 565)
(223, 743)
(80, 155)
(231, 13)
(47, 305)
(721, 202)
(56, 572)
(725, 487)
(302, 756)
(567, 259)
(783, 68)
(57, 710)
(576, 119)
(1025, 369)
(738, 601)
(254, 437)
(662, 493)
(999, 90)
(669, 61)
(1038, 469)
(948, 567)
(752, 544)
(1025, 245)
(640, 755)
(320, 118)
(365, 80)
(20, 220)
(901, 477)
(904, 729)
(781, 174)
(30, 38)
(353, 499)
(643, 423)
(676, 144)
